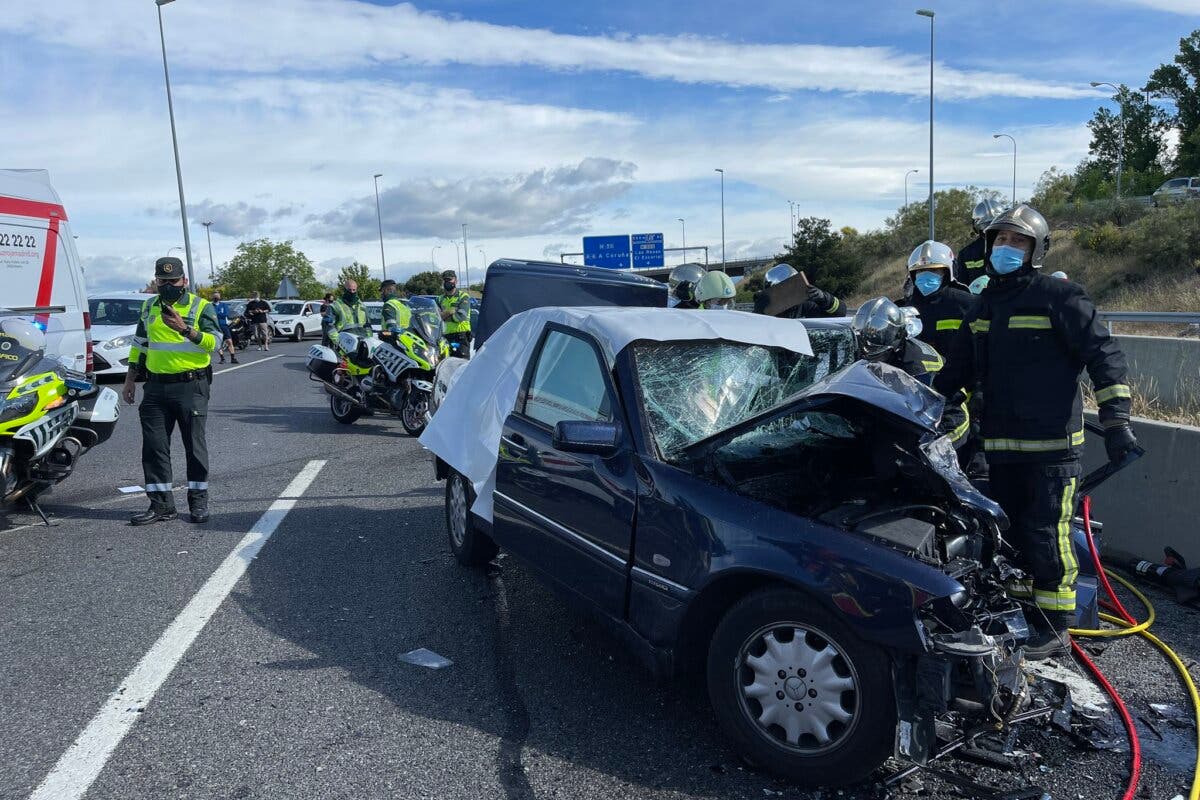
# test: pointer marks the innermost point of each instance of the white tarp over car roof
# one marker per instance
(465, 431)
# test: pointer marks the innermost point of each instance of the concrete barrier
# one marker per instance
(1154, 502)
(1164, 368)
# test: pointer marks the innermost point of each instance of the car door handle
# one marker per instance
(516, 443)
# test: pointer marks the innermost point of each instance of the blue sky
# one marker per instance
(537, 123)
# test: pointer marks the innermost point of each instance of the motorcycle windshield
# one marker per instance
(428, 325)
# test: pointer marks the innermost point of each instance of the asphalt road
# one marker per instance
(295, 687)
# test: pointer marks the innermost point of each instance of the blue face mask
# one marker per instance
(1006, 259)
(928, 282)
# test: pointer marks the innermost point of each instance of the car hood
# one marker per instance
(102, 333)
(891, 390)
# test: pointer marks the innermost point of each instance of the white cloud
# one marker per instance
(1188, 7)
(274, 35)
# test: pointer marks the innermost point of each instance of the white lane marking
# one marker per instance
(247, 364)
(83, 761)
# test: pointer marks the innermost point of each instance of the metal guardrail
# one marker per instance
(1161, 317)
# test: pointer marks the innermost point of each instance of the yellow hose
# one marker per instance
(1140, 629)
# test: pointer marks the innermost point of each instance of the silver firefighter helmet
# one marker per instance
(778, 274)
(931, 255)
(683, 281)
(879, 328)
(985, 211)
(1024, 220)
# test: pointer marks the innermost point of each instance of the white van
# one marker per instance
(40, 272)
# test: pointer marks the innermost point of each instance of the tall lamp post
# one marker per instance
(1014, 141)
(683, 235)
(483, 253)
(212, 275)
(792, 217)
(433, 260)
(379, 219)
(466, 261)
(910, 172)
(187, 239)
(1121, 120)
(722, 218)
(925, 12)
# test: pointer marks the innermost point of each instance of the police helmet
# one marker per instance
(716, 288)
(683, 281)
(985, 211)
(778, 274)
(879, 327)
(931, 255)
(1026, 221)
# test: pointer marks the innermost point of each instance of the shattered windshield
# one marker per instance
(691, 390)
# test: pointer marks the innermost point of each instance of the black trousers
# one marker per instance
(463, 339)
(1039, 499)
(165, 406)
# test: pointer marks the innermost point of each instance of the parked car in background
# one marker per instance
(1176, 190)
(296, 318)
(114, 321)
(374, 314)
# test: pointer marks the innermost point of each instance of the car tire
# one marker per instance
(298, 334)
(833, 685)
(471, 546)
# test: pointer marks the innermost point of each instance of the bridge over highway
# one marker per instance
(734, 268)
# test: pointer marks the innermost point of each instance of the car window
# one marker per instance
(375, 315)
(568, 383)
(1176, 183)
(115, 312)
(285, 309)
(691, 390)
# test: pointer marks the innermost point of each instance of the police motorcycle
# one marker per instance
(391, 373)
(41, 433)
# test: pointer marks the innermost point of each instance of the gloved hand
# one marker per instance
(1118, 441)
(820, 297)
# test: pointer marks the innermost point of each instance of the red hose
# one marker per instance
(1135, 746)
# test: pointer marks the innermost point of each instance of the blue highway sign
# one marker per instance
(611, 252)
(647, 250)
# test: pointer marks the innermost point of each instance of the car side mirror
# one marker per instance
(599, 438)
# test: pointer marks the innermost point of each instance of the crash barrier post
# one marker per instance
(1152, 504)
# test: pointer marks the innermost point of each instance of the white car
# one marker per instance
(296, 318)
(114, 321)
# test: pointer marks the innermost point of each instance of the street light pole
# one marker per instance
(910, 172)
(187, 239)
(1121, 121)
(379, 218)
(466, 260)
(484, 254)
(722, 218)
(924, 12)
(212, 275)
(683, 234)
(1014, 141)
(433, 260)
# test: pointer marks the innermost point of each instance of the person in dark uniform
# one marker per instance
(943, 304)
(884, 333)
(682, 284)
(969, 264)
(1032, 335)
(221, 308)
(176, 335)
(820, 303)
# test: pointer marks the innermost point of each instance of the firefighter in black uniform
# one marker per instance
(683, 282)
(943, 304)
(1032, 336)
(886, 333)
(970, 262)
(820, 303)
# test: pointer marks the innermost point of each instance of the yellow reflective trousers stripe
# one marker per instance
(1112, 392)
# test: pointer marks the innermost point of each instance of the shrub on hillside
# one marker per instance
(1095, 212)
(1169, 239)
(1103, 238)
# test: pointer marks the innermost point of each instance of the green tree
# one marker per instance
(1052, 190)
(368, 287)
(820, 252)
(424, 283)
(260, 265)
(952, 220)
(1180, 83)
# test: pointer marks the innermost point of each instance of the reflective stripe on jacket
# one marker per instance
(163, 351)
(345, 316)
(396, 315)
(457, 301)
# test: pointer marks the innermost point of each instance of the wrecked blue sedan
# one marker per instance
(731, 495)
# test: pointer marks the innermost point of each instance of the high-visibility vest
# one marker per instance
(345, 316)
(452, 301)
(403, 315)
(167, 351)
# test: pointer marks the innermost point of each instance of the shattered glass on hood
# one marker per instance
(691, 390)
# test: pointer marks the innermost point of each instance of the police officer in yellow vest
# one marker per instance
(396, 315)
(348, 310)
(456, 313)
(172, 350)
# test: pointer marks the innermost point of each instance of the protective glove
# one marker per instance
(1119, 441)
(820, 297)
